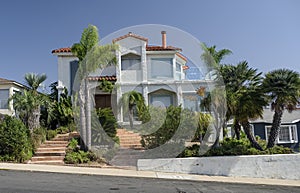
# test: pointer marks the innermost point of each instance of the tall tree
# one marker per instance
(283, 87)
(215, 101)
(91, 56)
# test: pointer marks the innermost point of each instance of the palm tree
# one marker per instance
(130, 101)
(34, 81)
(283, 87)
(27, 106)
(245, 98)
(91, 56)
(215, 101)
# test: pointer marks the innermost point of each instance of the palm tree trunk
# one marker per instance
(275, 128)
(246, 127)
(88, 115)
(82, 116)
(237, 129)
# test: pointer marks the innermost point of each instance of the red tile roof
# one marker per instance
(160, 48)
(97, 78)
(130, 35)
(60, 50)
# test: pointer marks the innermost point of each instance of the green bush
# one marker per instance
(38, 137)
(62, 130)
(172, 119)
(231, 147)
(15, 140)
(51, 134)
(76, 156)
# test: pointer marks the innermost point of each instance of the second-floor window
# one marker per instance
(161, 67)
(4, 95)
(131, 62)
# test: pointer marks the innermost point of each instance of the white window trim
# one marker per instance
(290, 134)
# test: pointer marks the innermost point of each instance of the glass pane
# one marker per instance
(178, 67)
(161, 67)
(4, 95)
(284, 133)
(131, 64)
(161, 101)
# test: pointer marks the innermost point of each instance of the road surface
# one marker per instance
(25, 182)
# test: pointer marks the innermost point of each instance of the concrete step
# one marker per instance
(50, 153)
(56, 142)
(47, 158)
(50, 149)
(61, 139)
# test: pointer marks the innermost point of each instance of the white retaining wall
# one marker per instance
(258, 166)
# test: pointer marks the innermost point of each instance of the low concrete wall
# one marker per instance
(260, 166)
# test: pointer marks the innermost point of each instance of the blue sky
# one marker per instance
(265, 33)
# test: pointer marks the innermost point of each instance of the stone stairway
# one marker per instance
(129, 139)
(53, 151)
(130, 149)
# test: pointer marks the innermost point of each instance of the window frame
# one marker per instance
(292, 131)
(164, 60)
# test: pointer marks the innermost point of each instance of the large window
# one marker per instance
(4, 95)
(161, 67)
(287, 134)
(131, 62)
(161, 100)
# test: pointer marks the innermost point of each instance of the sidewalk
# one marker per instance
(109, 171)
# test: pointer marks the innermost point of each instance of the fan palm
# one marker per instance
(34, 81)
(245, 98)
(283, 87)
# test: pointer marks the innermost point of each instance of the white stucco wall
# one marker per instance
(64, 71)
(261, 166)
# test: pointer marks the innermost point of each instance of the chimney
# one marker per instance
(164, 39)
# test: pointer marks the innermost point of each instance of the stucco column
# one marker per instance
(145, 93)
(179, 94)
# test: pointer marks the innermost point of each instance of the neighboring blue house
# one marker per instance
(289, 134)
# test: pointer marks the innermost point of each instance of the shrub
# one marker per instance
(76, 156)
(15, 140)
(172, 119)
(38, 137)
(51, 134)
(231, 147)
(62, 130)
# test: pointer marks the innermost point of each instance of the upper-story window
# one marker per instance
(4, 95)
(131, 62)
(178, 71)
(161, 67)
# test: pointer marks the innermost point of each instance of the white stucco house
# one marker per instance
(157, 72)
(7, 89)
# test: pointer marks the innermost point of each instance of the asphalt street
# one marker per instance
(25, 182)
